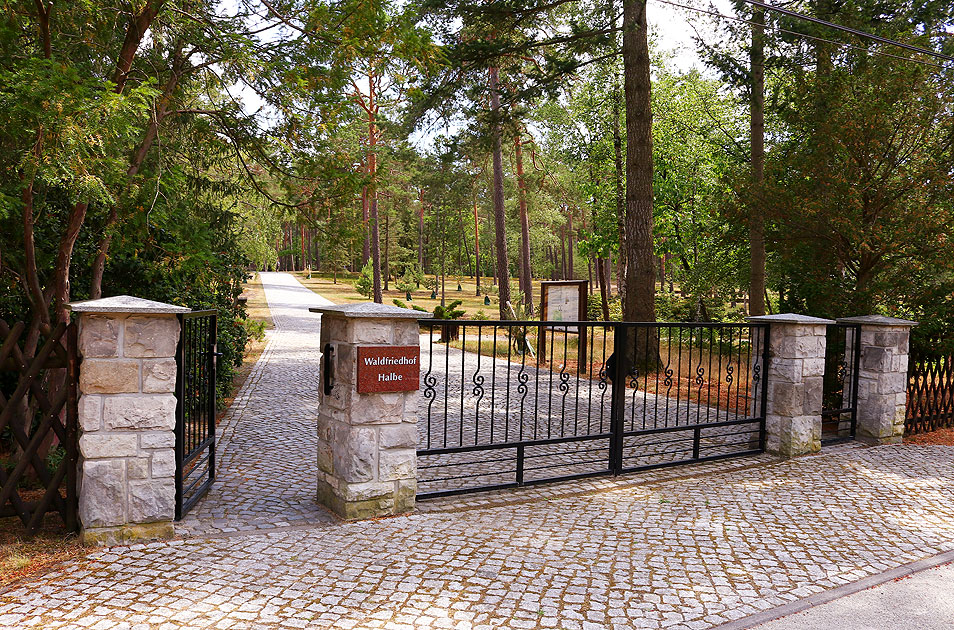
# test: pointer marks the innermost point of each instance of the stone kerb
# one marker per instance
(127, 419)
(367, 442)
(795, 376)
(882, 377)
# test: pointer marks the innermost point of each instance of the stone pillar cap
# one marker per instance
(790, 318)
(126, 304)
(877, 320)
(370, 310)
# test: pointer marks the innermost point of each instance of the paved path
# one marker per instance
(637, 552)
(267, 445)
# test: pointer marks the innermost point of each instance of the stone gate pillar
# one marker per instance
(882, 377)
(795, 374)
(367, 416)
(127, 418)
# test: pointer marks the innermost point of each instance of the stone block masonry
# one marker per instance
(127, 419)
(795, 375)
(367, 442)
(882, 378)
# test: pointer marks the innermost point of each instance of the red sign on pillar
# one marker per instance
(389, 369)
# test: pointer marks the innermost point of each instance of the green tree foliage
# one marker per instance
(862, 178)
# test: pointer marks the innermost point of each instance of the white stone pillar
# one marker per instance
(367, 440)
(127, 418)
(795, 378)
(882, 378)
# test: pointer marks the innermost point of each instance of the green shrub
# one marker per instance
(254, 329)
(364, 285)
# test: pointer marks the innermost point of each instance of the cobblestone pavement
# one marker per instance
(708, 544)
(267, 443)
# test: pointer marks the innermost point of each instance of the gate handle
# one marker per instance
(329, 371)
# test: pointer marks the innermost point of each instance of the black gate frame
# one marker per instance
(196, 359)
(850, 369)
(759, 354)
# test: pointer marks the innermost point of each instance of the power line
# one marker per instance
(847, 29)
(779, 29)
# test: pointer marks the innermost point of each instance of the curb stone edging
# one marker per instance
(871, 581)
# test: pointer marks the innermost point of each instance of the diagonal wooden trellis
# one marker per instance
(930, 386)
(38, 408)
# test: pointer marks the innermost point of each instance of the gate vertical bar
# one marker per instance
(618, 398)
(180, 412)
(213, 366)
(855, 371)
(763, 383)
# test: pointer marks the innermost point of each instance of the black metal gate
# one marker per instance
(606, 398)
(195, 411)
(840, 387)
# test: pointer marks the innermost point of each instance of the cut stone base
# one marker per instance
(872, 440)
(388, 503)
(127, 534)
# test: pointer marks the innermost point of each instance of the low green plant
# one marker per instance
(255, 329)
(364, 285)
(451, 311)
(410, 279)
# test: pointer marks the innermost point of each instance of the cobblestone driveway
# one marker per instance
(691, 547)
(267, 444)
(637, 552)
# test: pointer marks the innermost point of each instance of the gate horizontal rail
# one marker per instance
(564, 400)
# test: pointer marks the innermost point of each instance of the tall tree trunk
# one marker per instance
(420, 230)
(563, 252)
(476, 246)
(373, 194)
(603, 281)
(64, 256)
(500, 224)
(619, 182)
(387, 240)
(569, 235)
(757, 132)
(366, 217)
(526, 285)
(134, 34)
(639, 298)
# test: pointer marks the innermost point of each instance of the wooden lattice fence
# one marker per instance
(38, 425)
(930, 384)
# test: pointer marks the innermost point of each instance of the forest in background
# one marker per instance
(164, 148)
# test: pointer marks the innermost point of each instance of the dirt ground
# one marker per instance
(22, 557)
(941, 437)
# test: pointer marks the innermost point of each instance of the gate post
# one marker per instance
(794, 379)
(882, 377)
(367, 414)
(127, 408)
